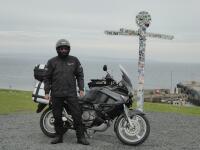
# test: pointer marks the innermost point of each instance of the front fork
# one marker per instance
(126, 111)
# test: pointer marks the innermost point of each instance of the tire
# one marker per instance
(135, 136)
(47, 123)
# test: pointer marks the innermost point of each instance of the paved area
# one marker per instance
(168, 132)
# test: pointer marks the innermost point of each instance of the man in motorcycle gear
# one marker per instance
(62, 73)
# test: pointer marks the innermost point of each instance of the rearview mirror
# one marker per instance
(105, 68)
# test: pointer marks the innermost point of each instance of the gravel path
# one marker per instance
(168, 132)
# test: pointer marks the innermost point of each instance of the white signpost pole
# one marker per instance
(143, 20)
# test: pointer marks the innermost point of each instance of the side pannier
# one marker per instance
(38, 93)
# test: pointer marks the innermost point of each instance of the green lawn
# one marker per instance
(17, 101)
(158, 107)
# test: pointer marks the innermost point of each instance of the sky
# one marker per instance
(34, 26)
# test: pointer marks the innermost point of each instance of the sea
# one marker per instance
(16, 71)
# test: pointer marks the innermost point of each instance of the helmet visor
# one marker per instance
(63, 48)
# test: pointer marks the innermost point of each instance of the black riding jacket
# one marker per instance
(61, 76)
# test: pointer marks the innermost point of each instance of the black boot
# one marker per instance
(58, 139)
(83, 141)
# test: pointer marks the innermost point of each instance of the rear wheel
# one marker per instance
(47, 123)
(135, 134)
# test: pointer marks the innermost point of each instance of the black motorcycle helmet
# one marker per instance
(63, 48)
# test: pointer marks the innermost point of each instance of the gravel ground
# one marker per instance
(168, 132)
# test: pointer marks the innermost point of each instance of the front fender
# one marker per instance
(135, 112)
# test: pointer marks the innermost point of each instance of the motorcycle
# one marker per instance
(106, 102)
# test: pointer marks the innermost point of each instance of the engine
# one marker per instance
(91, 118)
(88, 117)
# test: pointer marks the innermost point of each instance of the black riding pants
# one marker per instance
(75, 111)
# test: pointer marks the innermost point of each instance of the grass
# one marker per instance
(12, 101)
(158, 107)
(16, 101)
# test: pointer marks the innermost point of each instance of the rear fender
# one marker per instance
(40, 107)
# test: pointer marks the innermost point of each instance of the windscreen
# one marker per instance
(125, 79)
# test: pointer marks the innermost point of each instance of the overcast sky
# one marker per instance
(34, 26)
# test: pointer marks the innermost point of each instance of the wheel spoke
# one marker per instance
(135, 132)
(138, 136)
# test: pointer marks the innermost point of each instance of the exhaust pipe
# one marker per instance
(103, 127)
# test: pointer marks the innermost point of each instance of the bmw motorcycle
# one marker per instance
(105, 103)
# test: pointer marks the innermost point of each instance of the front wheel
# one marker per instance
(135, 134)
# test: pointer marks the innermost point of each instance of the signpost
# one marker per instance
(143, 20)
